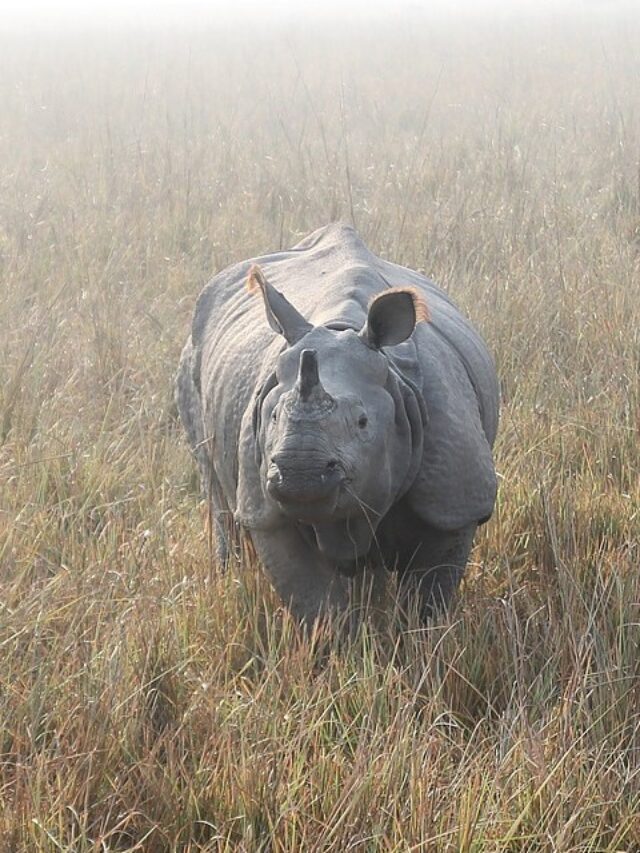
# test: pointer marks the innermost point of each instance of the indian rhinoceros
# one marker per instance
(342, 411)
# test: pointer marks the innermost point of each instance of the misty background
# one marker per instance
(35, 15)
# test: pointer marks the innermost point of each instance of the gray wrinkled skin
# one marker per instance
(336, 431)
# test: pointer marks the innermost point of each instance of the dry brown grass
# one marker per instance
(148, 702)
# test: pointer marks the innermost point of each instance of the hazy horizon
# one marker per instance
(40, 15)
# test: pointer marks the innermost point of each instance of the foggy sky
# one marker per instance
(31, 15)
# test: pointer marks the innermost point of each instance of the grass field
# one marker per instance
(148, 701)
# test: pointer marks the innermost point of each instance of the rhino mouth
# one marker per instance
(311, 512)
(306, 495)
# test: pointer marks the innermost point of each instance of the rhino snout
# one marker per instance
(291, 481)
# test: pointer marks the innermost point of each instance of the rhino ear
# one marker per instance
(392, 317)
(282, 316)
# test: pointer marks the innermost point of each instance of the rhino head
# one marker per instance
(338, 430)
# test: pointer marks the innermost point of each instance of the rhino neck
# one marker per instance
(345, 540)
(411, 424)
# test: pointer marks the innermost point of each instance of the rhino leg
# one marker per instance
(432, 575)
(430, 562)
(303, 578)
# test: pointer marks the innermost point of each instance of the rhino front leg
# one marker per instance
(433, 572)
(303, 578)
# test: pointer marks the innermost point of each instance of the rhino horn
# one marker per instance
(308, 376)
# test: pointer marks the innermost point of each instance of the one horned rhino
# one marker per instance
(340, 430)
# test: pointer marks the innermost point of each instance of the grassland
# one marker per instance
(147, 700)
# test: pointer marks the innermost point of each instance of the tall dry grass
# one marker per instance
(149, 702)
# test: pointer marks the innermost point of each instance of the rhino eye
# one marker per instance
(274, 416)
(363, 420)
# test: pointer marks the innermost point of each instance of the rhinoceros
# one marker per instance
(342, 413)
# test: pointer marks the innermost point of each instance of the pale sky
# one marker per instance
(39, 14)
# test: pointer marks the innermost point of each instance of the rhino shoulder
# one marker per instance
(456, 482)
